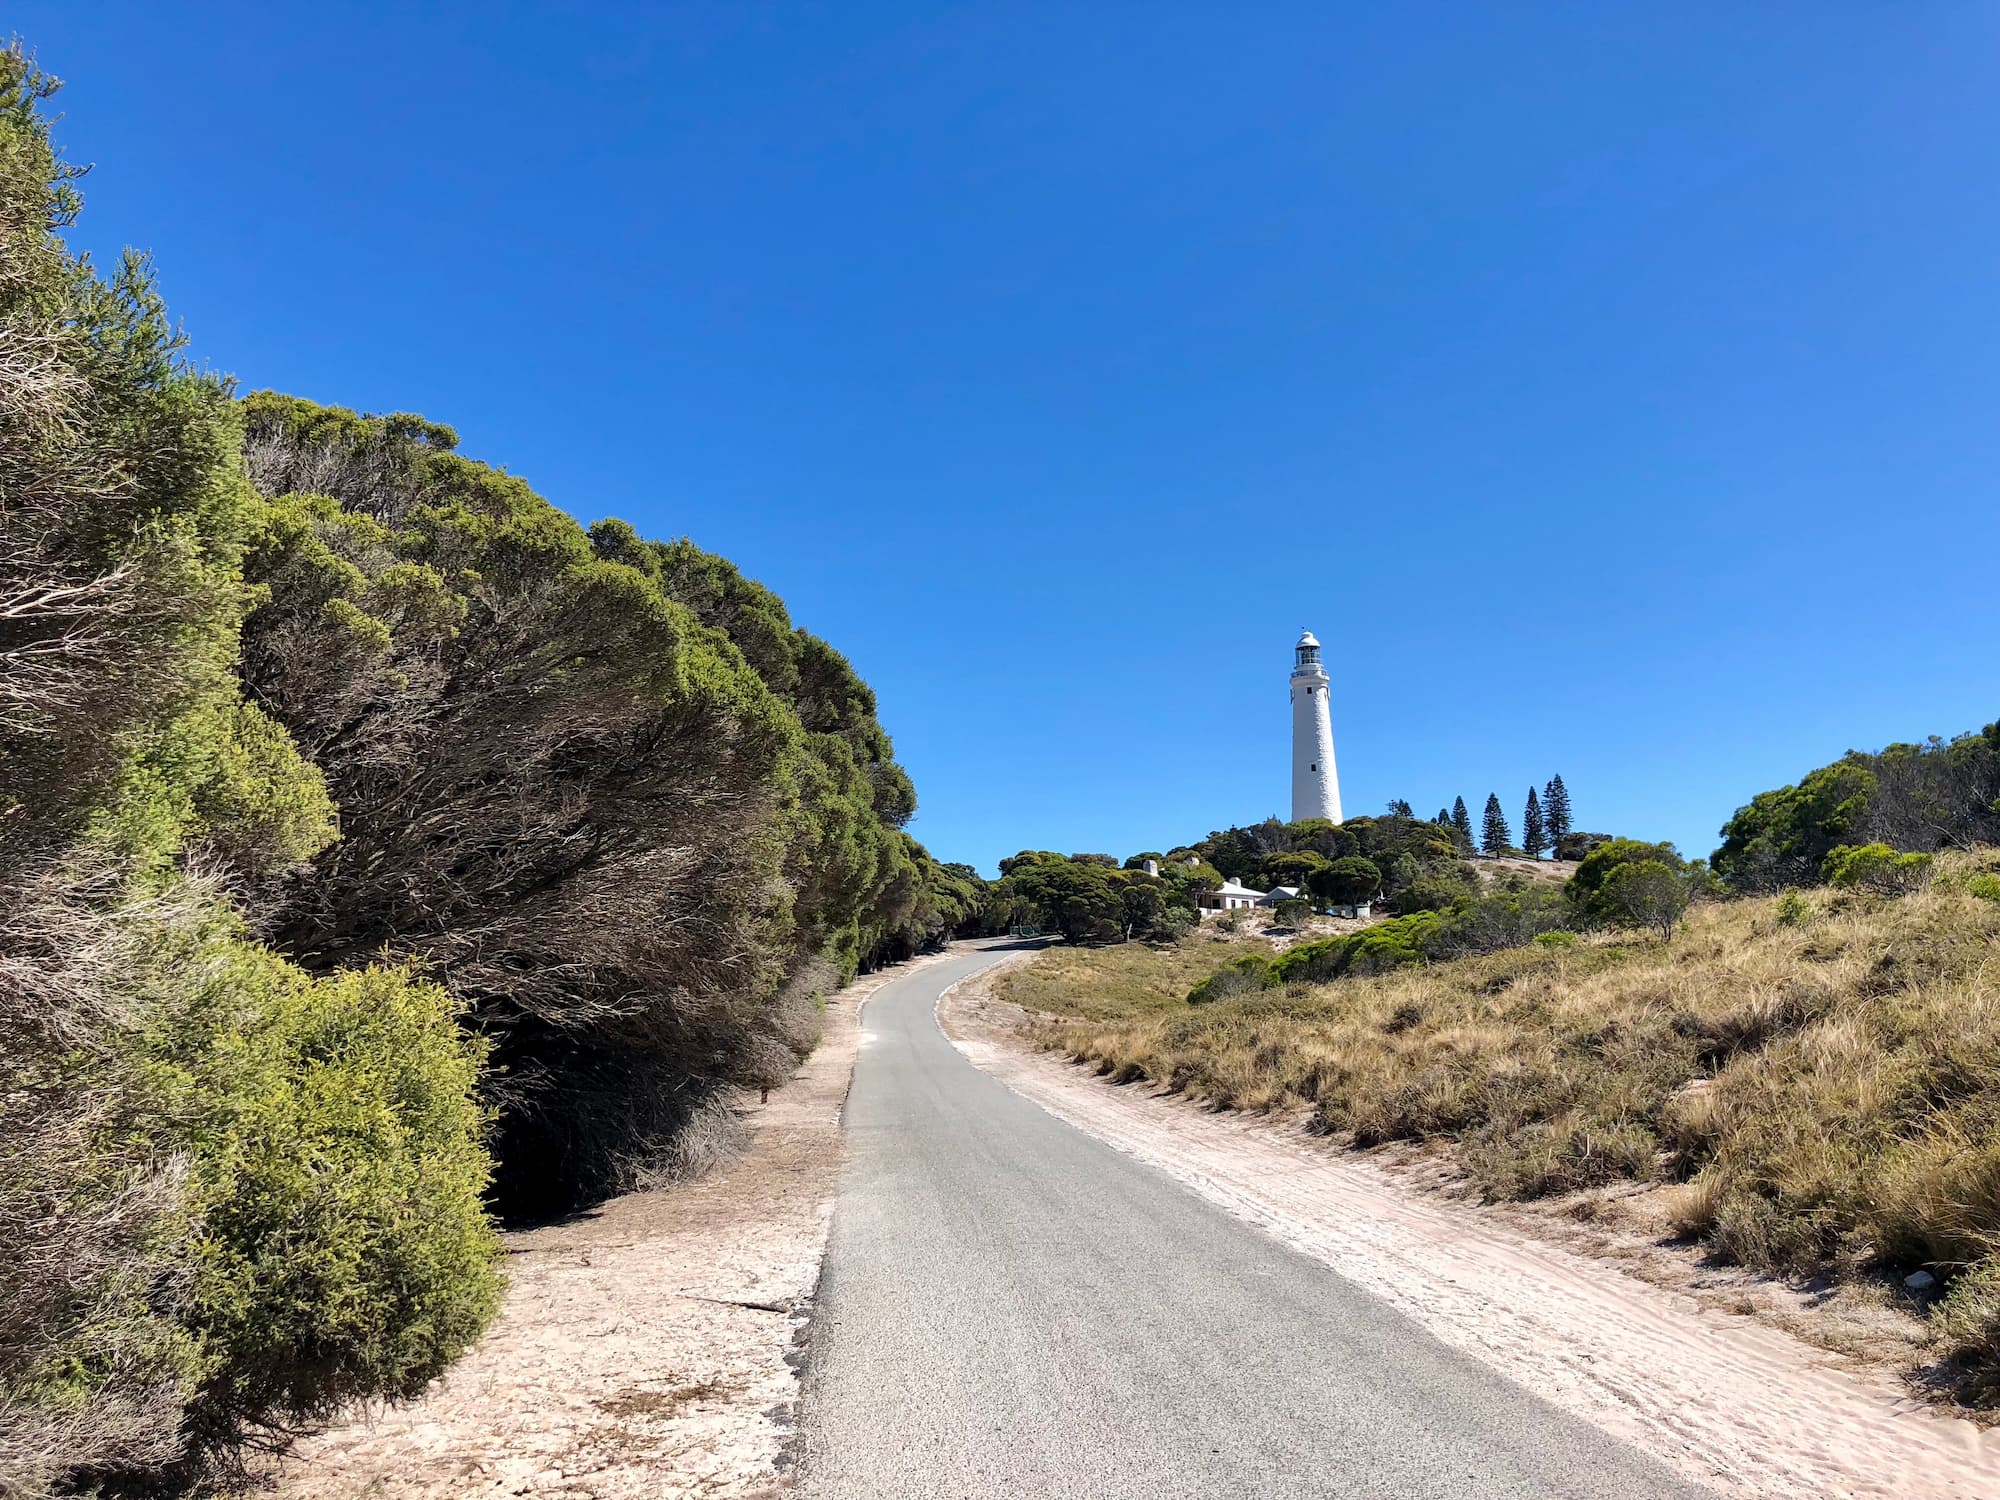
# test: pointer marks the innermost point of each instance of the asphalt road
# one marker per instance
(1011, 1308)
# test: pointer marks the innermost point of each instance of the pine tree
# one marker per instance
(1495, 837)
(1400, 808)
(1461, 822)
(1443, 819)
(1534, 837)
(1555, 813)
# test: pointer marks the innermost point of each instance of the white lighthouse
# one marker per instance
(1315, 783)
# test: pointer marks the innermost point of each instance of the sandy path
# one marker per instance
(622, 1363)
(1741, 1407)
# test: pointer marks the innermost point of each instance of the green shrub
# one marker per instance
(231, 1195)
(336, 1171)
(1394, 944)
(1432, 893)
(1939, 793)
(1586, 888)
(1509, 913)
(1985, 886)
(1876, 867)
(1560, 1156)
(1783, 836)
(1397, 943)
(1555, 940)
(1792, 910)
(1240, 976)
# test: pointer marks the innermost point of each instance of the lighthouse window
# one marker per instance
(1315, 765)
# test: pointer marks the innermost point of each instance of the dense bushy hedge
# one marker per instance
(602, 786)
(231, 1193)
(1877, 867)
(360, 812)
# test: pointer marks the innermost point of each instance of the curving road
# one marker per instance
(1011, 1308)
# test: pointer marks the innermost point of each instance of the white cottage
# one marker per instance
(1232, 897)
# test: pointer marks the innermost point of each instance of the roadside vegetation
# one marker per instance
(381, 852)
(1809, 1078)
(1797, 1043)
(636, 820)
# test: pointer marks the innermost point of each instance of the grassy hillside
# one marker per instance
(1813, 1078)
(1119, 985)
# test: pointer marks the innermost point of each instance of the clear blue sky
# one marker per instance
(1615, 387)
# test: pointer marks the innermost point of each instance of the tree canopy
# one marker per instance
(1919, 798)
(1403, 850)
(602, 784)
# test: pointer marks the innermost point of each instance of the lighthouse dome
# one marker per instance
(1307, 638)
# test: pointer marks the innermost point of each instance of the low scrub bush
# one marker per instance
(336, 1173)
(1240, 976)
(1561, 1156)
(1507, 914)
(1627, 883)
(268, 1204)
(1876, 867)
(1433, 893)
(1394, 944)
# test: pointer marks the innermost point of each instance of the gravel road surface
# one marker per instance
(1011, 1308)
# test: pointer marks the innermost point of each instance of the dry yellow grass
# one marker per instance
(1125, 982)
(1821, 1076)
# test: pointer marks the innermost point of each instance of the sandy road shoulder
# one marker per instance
(1729, 1402)
(644, 1348)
